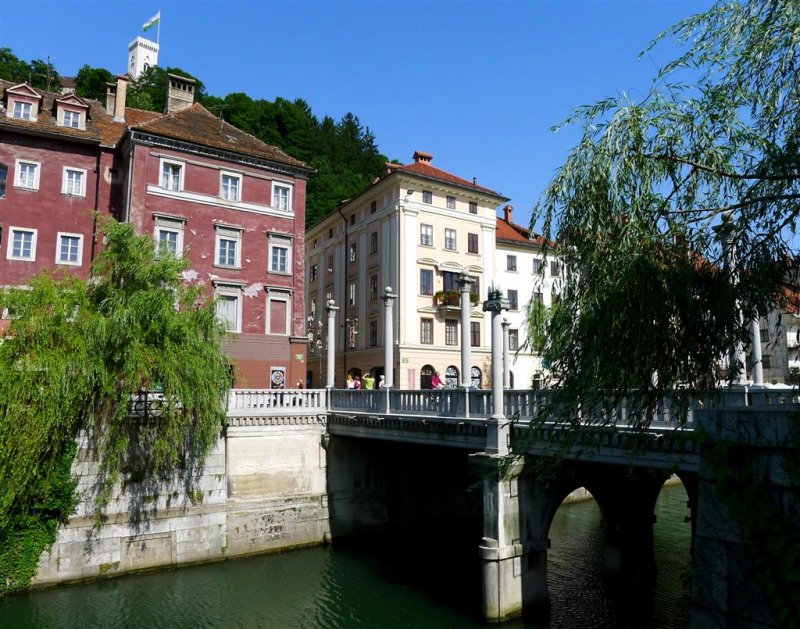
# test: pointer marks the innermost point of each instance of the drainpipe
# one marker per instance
(96, 209)
(344, 291)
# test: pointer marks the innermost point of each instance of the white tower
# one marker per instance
(142, 54)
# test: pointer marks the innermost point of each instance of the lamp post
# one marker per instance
(497, 429)
(350, 326)
(331, 308)
(315, 343)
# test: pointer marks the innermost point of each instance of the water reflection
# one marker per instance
(385, 586)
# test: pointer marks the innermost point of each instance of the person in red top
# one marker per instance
(436, 381)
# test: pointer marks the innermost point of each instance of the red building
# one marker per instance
(205, 190)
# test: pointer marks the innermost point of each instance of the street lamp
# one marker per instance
(315, 339)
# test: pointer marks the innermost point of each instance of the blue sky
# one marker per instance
(477, 84)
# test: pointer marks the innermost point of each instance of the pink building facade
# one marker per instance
(204, 190)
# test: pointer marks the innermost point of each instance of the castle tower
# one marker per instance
(142, 54)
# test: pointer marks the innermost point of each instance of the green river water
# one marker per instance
(370, 585)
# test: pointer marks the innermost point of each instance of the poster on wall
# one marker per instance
(277, 378)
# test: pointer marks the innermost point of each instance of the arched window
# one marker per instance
(425, 375)
(451, 377)
(476, 378)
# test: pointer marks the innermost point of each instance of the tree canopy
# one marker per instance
(639, 206)
(74, 355)
(38, 73)
(91, 82)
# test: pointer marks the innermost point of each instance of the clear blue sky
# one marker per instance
(477, 84)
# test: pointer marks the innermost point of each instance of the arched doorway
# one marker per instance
(476, 378)
(425, 375)
(451, 377)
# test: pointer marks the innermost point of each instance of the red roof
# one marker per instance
(517, 234)
(425, 169)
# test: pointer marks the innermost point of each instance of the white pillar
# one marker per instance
(388, 336)
(331, 356)
(464, 285)
(497, 429)
(506, 360)
(755, 351)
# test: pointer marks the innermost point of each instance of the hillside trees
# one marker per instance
(636, 209)
(74, 355)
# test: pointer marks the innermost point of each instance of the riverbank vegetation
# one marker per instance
(74, 355)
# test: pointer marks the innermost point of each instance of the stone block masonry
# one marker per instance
(262, 488)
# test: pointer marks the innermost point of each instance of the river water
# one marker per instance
(365, 586)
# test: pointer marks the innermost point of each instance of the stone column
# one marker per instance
(464, 285)
(506, 360)
(755, 351)
(388, 338)
(497, 429)
(331, 355)
(514, 567)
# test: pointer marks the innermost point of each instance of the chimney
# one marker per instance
(474, 181)
(507, 210)
(119, 100)
(180, 93)
(420, 157)
(111, 98)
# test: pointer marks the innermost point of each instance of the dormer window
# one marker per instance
(22, 111)
(72, 119)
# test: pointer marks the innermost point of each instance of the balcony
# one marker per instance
(451, 299)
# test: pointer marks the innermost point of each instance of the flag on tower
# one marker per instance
(152, 21)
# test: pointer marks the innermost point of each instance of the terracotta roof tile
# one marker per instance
(425, 169)
(511, 232)
(197, 124)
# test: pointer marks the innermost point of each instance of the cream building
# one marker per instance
(416, 229)
(525, 274)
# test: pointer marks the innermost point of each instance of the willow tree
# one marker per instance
(649, 301)
(73, 357)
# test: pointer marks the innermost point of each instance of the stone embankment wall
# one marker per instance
(262, 488)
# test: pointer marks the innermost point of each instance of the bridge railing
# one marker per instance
(248, 402)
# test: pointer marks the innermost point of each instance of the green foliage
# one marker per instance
(91, 82)
(649, 302)
(38, 73)
(75, 353)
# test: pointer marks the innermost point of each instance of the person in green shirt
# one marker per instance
(368, 380)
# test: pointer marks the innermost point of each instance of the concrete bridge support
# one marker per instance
(514, 565)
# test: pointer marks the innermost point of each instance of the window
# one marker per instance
(330, 233)
(230, 186)
(451, 203)
(228, 306)
(72, 119)
(22, 111)
(450, 239)
(73, 182)
(554, 268)
(426, 235)
(475, 333)
(328, 295)
(538, 267)
(472, 243)
(426, 331)
(373, 333)
(313, 308)
(352, 292)
(473, 207)
(21, 244)
(513, 340)
(229, 247)
(426, 282)
(280, 248)
(373, 207)
(766, 361)
(313, 273)
(330, 263)
(69, 249)
(352, 220)
(451, 332)
(3, 179)
(427, 196)
(278, 312)
(169, 235)
(450, 280)
(281, 199)
(475, 288)
(27, 175)
(513, 299)
(511, 263)
(353, 252)
(171, 175)
(538, 298)
(373, 242)
(373, 287)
